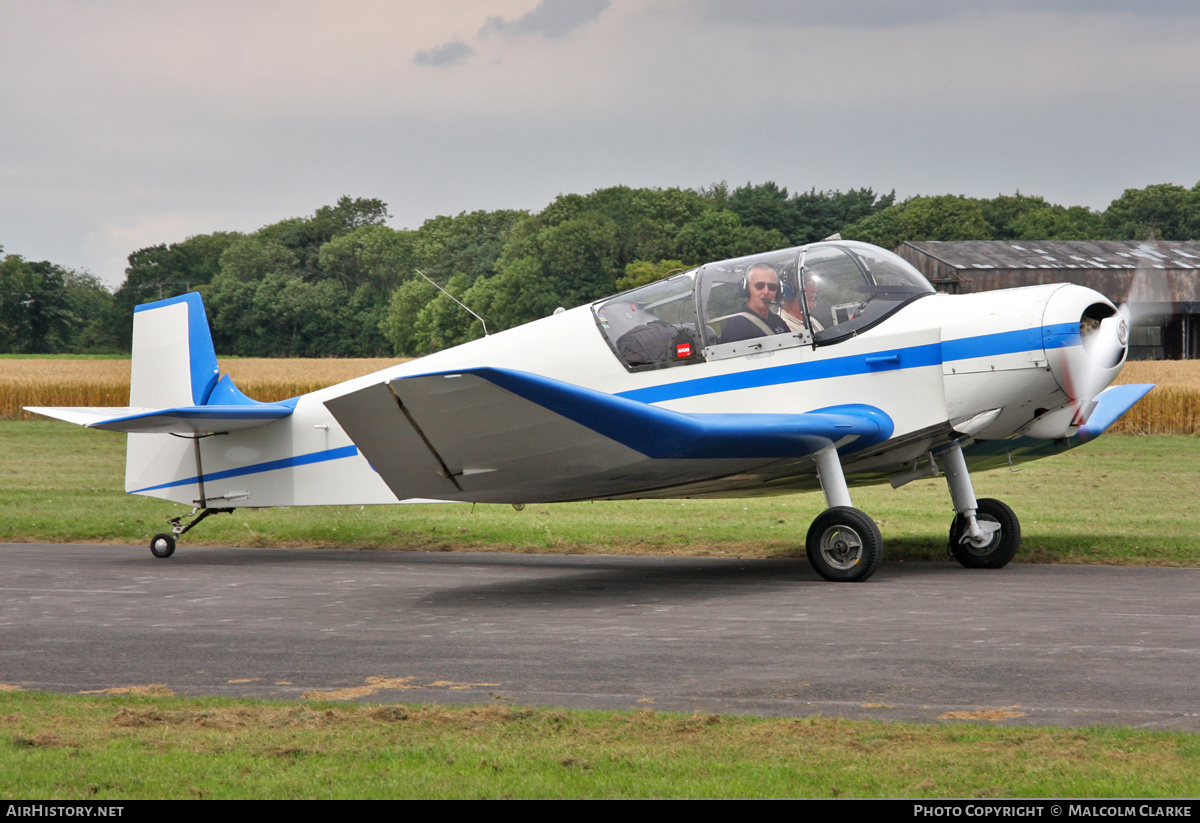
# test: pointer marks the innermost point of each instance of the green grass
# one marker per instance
(1120, 500)
(1130, 500)
(99, 748)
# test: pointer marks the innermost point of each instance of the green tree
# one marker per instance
(304, 236)
(399, 324)
(717, 235)
(642, 272)
(545, 266)
(1158, 212)
(1056, 222)
(764, 205)
(254, 257)
(945, 217)
(469, 244)
(377, 257)
(1002, 211)
(442, 323)
(802, 218)
(821, 214)
(165, 270)
(48, 309)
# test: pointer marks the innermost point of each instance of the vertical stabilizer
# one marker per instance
(174, 362)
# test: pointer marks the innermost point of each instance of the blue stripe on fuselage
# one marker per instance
(272, 465)
(913, 357)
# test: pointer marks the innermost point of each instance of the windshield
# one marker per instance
(753, 305)
(850, 286)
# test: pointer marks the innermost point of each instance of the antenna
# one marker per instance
(456, 300)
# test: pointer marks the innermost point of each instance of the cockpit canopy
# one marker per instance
(823, 293)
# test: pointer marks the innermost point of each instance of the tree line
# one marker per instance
(341, 283)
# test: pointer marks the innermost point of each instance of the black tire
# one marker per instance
(844, 545)
(162, 545)
(1004, 544)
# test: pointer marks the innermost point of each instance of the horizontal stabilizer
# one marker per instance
(1111, 404)
(180, 420)
(173, 385)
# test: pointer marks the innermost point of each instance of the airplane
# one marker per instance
(688, 387)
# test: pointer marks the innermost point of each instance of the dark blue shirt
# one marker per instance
(741, 328)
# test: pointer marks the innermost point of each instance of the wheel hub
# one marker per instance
(987, 540)
(841, 547)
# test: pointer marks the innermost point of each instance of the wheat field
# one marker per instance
(1172, 408)
(30, 381)
(1174, 405)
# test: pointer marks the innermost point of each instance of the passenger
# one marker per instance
(757, 319)
(791, 312)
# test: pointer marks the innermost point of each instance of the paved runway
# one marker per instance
(1030, 645)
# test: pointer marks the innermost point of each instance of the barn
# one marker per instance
(1160, 280)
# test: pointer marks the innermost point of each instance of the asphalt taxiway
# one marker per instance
(1026, 645)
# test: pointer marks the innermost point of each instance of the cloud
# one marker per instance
(552, 19)
(447, 54)
(880, 14)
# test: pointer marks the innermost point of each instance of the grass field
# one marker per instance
(98, 748)
(1119, 500)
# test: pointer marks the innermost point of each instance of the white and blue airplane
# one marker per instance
(825, 366)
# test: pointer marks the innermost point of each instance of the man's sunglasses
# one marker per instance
(771, 286)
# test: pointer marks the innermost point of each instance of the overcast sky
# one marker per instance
(128, 124)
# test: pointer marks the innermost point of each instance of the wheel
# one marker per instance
(163, 545)
(1003, 546)
(844, 545)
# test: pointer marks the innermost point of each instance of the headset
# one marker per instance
(744, 283)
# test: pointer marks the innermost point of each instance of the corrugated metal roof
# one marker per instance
(1062, 254)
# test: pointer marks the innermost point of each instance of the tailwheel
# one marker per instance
(844, 545)
(163, 545)
(998, 548)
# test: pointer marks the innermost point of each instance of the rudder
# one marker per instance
(174, 362)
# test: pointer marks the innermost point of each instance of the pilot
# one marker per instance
(756, 319)
(791, 311)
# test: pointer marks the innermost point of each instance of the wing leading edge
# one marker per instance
(499, 435)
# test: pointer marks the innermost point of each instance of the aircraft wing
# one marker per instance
(499, 435)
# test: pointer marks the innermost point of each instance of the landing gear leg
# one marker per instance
(163, 545)
(985, 533)
(844, 544)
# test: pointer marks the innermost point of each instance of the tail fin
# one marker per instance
(174, 362)
(173, 387)
(174, 390)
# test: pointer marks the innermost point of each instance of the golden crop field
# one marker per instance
(28, 381)
(1172, 408)
(1174, 405)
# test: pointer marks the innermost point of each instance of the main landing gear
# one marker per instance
(844, 544)
(985, 533)
(163, 545)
